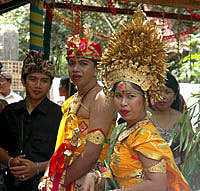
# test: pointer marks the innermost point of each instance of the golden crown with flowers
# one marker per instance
(136, 54)
(83, 47)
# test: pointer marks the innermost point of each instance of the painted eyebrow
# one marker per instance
(130, 92)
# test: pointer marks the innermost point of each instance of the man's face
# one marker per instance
(37, 85)
(5, 86)
(81, 71)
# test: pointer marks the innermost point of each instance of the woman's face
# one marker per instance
(130, 102)
(168, 98)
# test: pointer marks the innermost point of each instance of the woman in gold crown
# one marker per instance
(133, 67)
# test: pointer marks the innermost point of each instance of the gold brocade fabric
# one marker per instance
(126, 166)
(96, 137)
(83, 126)
(65, 129)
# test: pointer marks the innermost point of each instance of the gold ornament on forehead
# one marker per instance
(136, 54)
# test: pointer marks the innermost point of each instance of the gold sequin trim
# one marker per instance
(96, 137)
(160, 167)
(126, 132)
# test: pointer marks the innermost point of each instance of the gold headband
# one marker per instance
(136, 54)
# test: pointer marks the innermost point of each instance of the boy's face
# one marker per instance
(81, 71)
(37, 85)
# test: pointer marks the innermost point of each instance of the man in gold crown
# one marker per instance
(133, 67)
(88, 111)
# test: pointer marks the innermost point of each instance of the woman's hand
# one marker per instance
(89, 182)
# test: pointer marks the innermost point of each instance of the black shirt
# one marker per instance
(32, 134)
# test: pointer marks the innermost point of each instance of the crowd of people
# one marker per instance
(79, 146)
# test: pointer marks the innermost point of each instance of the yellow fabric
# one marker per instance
(61, 132)
(127, 168)
(67, 126)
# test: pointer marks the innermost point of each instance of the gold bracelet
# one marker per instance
(96, 136)
(98, 175)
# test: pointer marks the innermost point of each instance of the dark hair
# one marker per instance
(172, 83)
(65, 81)
(179, 102)
(95, 62)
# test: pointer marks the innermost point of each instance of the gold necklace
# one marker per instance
(126, 131)
(77, 101)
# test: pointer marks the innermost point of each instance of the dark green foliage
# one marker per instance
(189, 135)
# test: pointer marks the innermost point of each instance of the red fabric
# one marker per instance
(57, 162)
(77, 46)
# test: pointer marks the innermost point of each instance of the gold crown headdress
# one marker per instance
(136, 54)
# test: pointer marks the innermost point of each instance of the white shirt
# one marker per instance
(11, 97)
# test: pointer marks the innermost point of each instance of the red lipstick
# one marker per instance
(123, 111)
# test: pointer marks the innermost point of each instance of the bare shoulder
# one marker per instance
(103, 101)
(102, 113)
(90, 97)
(103, 107)
(176, 114)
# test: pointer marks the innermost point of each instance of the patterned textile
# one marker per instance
(68, 123)
(34, 62)
(84, 47)
(166, 135)
(124, 161)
